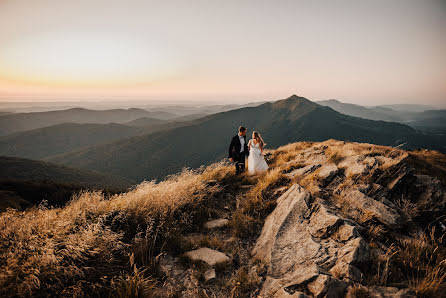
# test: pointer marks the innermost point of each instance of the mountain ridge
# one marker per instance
(205, 140)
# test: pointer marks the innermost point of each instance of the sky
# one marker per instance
(363, 52)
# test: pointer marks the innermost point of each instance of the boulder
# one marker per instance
(210, 256)
(216, 223)
(210, 274)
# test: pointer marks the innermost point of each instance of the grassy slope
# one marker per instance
(84, 247)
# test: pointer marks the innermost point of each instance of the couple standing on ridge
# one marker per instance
(239, 149)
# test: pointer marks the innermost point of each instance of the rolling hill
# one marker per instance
(27, 121)
(206, 140)
(57, 139)
(61, 138)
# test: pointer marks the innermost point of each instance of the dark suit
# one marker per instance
(236, 155)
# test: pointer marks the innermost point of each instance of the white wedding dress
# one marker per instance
(256, 162)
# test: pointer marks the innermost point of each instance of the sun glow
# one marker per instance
(85, 60)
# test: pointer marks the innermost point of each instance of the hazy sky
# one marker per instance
(365, 52)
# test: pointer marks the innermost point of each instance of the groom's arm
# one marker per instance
(231, 146)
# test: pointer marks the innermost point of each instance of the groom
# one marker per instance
(238, 150)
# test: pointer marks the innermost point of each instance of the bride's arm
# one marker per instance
(249, 145)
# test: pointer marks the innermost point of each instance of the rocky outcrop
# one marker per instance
(307, 248)
(316, 241)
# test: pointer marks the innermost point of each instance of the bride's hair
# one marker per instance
(258, 138)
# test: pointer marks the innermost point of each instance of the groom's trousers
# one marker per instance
(240, 164)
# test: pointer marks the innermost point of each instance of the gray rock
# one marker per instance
(344, 270)
(284, 294)
(363, 203)
(327, 172)
(216, 223)
(346, 232)
(355, 251)
(390, 292)
(319, 286)
(322, 221)
(291, 206)
(210, 256)
(302, 171)
(352, 165)
(210, 274)
(327, 286)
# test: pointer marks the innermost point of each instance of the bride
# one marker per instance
(256, 162)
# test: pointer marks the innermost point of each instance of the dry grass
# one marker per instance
(254, 205)
(410, 209)
(286, 153)
(357, 291)
(418, 261)
(367, 216)
(256, 202)
(243, 284)
(48, 251)
(334, 154)
(132, 285)
(375, 231)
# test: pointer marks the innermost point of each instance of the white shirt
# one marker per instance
(242, 142)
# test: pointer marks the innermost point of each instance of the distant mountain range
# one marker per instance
(11, 123)
(421, 117)
(206, 140)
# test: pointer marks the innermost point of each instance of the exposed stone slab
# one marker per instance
(346, 232)
(291, 207)
(363, 203)
(322, 221)
(327, 172)
(216, 223)
(302, 171)
(355, 251)
(210, 274)
(210, 256)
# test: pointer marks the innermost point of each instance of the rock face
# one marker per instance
(295, 243)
